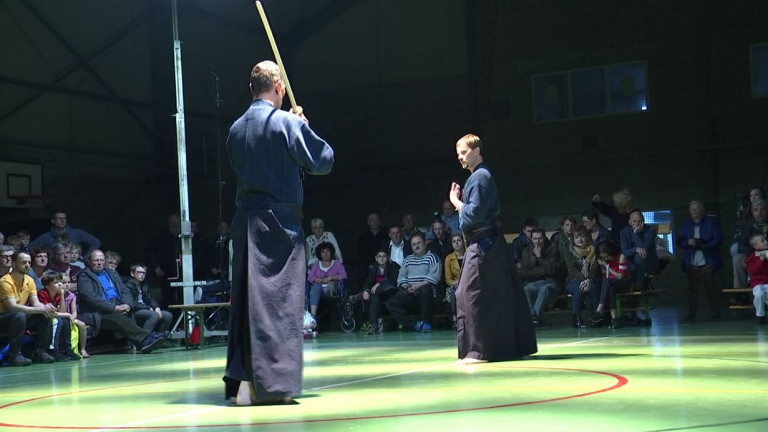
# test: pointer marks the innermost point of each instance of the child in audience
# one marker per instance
(757, 268)
(66, 302)
(75, 252)
(616, 277)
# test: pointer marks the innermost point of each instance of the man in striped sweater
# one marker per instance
(416, 282)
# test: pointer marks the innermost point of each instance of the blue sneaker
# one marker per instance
(426, 328)
(418, 325)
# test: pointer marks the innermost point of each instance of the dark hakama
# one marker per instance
(267, 296)
(493, 321)
(268, 149)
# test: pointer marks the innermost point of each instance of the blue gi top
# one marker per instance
(481, 201)
(268, 149)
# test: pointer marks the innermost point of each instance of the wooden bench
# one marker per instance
(190, 311)
(738, 291)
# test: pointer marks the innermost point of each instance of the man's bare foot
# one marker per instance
(470, 361)
(245, 394)
(84, 354)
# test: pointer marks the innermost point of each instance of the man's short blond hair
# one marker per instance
(263, 77)
(472, 141)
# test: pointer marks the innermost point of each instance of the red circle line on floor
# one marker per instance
(621, 381)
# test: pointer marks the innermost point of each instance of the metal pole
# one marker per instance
(181, 150)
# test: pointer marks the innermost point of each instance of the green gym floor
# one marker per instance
(672, 376)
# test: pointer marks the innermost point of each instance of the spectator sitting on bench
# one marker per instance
(379, 286)
(325, 276)
(55, 294)
(699, 237)
(638, 244)
(146, 310)
(757, 225)
(540, 265)
(583, 273)
(416, 282)
(21, 310)
(320, 235)
(616, 278)
(59, 262)
(744, 220)
(453, 263)
(757, 267)
(105, 303)
(600, 234)
(523, 240)
(69, 306)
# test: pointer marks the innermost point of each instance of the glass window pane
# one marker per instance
(627, 88)
(550, 97)
(760, 71)
(588, 92)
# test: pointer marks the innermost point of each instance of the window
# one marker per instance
(663, 221)
(604, 90)
(759, 55)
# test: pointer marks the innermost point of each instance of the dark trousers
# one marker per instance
(399, 304)
(609, 290)
(16, 322)
(578, 297)
(62, 335)
(124, 325)
(381, 296)
(698, 277)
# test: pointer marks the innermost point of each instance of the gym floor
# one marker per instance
(672, 376)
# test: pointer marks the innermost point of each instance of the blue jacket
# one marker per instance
(72, 235)
(646, 239)
(709, 232)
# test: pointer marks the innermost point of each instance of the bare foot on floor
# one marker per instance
(470, 361)
(84, 354)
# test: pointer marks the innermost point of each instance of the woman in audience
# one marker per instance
(623, 206)
(743, 221)
(320, 235)
(583, 272)
(379, 286)
(325, 276)
(616, 278)
(453, 263)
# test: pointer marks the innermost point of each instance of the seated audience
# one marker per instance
(563, 237)
(325, 276)
(699, 238)
(61, 232)
(59, 262)
(320, 235)
(398, 248)
(600, 234)
(146, 310)
(616, 278)
(66, 303)
(409, 227)
(105, 303)
(453, 263)
(450, 217)
(55, 294)
(7, 259)
(14, 241)
(757, 225)
(112, 260)
(39, 266)
(638, 244)
(379, 286)
(75, 256)
(618, 213)
(583, 273)
(540, 265)
(20, 310)
(440, 245)
(523, 240)
(757, 267)
(24, 238)
(416, 282)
